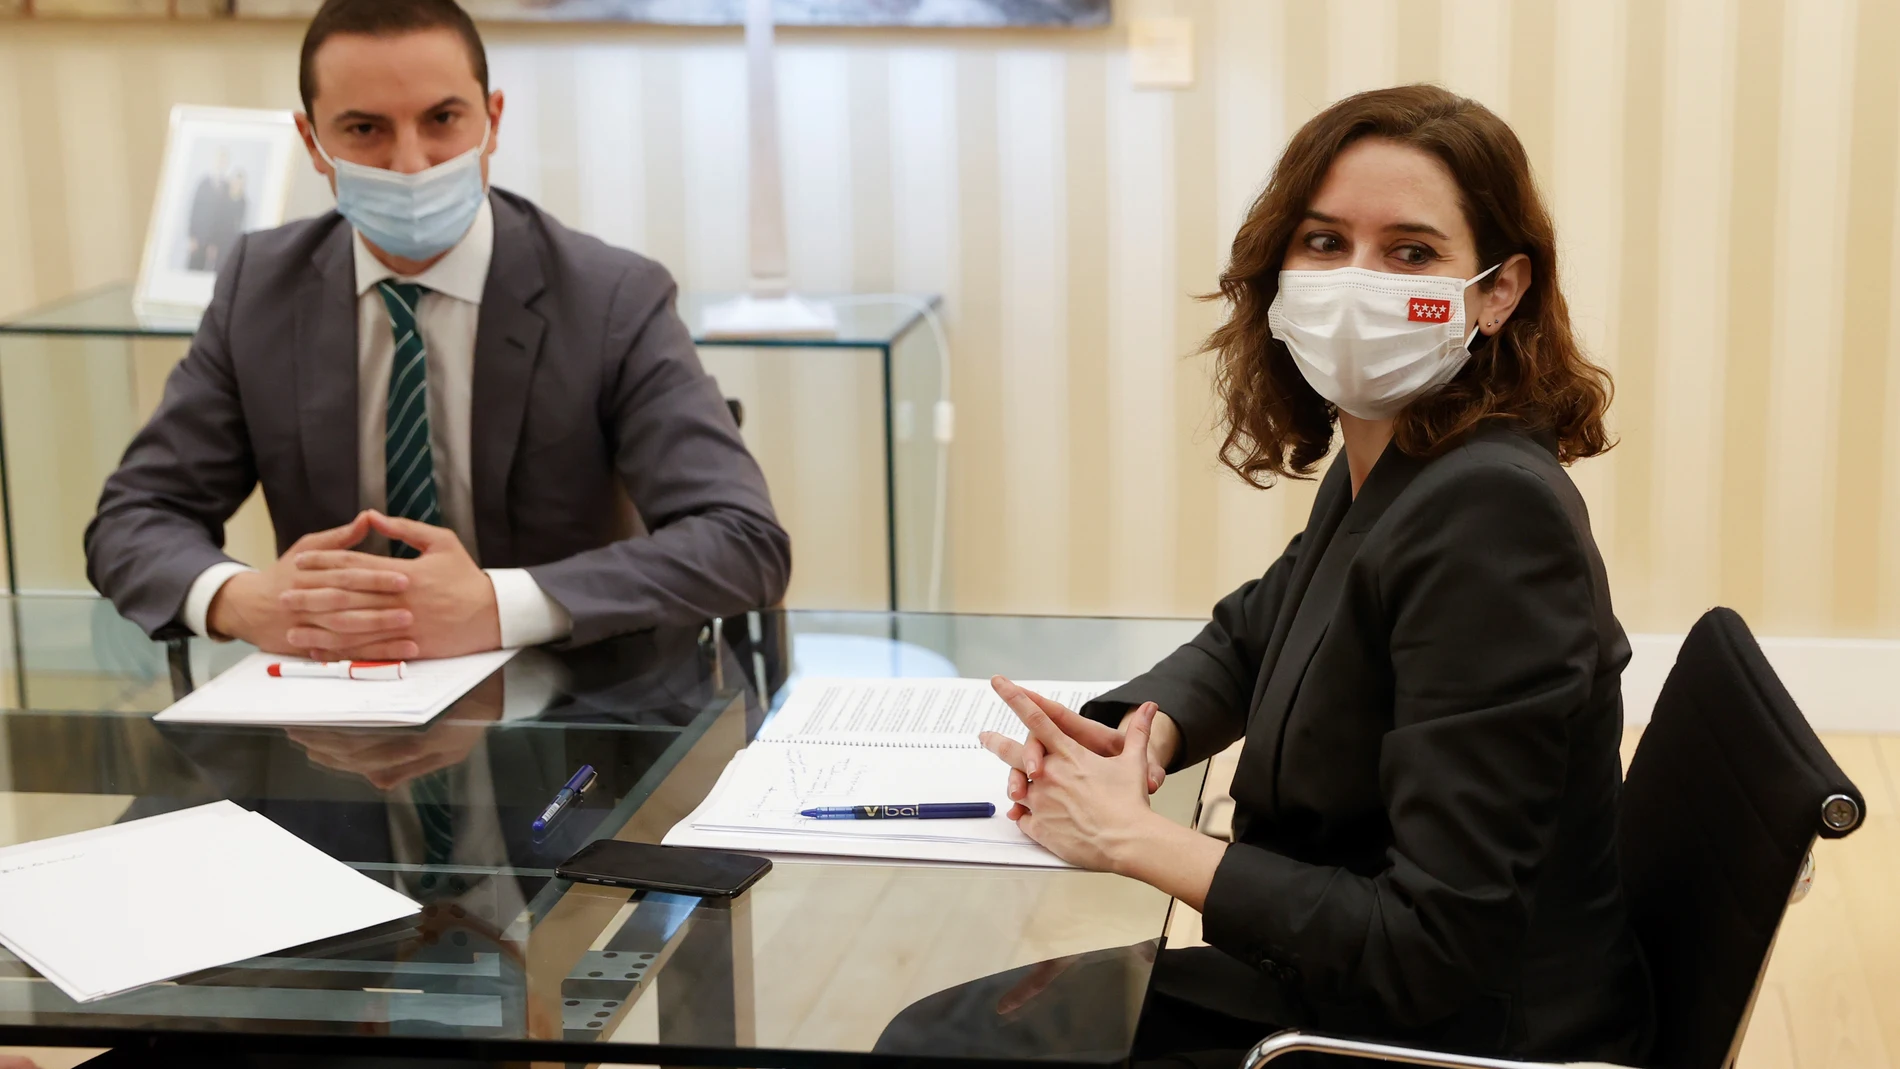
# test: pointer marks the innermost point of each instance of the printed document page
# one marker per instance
(844, 742)
(754, 808)
(774, 783)
(104, 911)
(247, 693)
(918, 712)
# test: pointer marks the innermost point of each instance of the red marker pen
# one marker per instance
(337, 670)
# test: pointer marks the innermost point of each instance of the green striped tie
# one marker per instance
(433, 795)
(410, 489)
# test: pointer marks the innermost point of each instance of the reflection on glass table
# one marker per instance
(841, 425)
(809, 966)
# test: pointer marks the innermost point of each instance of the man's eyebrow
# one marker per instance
(354, 115)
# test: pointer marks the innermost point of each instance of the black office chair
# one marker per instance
(760, 639)
(762, 642)
(1724, 798)
(178, 662)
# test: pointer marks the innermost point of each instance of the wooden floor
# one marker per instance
(1832, 997)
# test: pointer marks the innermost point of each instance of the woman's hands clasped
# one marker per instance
(1025, 758)
(1081, 788)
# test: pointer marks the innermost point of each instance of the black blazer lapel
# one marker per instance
(323, 350)
(507, 344)
(1310, 609)
(1329, 508)
(1388, 479)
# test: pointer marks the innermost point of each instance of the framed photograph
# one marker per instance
(920, 14)
(226, 172)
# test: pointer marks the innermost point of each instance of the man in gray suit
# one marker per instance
(450, 399)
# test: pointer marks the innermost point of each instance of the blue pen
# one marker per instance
(924, 811)
(577, 785)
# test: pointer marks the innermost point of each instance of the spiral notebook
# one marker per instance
(875, 742)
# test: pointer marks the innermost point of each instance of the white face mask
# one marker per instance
(414, 216)
(1372, 342)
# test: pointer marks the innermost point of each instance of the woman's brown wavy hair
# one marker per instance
(1531, 372)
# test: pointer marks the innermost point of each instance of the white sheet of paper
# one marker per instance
(849, 850)
(775, 782)
(839, 742)
(743, 812)
(246, 693)
(111, 909)
(916, 712)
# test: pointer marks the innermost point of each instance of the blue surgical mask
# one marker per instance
(414, 216)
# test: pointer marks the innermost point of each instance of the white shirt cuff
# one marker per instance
(529, 617)
(530, 683)
(203, 590)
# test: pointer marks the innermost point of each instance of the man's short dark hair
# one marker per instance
(383, 18)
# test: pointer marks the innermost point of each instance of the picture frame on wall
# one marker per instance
(913, 14)
(226, 172)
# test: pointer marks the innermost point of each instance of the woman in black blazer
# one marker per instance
(1428, 679)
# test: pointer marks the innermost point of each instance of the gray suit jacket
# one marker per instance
(586, 384)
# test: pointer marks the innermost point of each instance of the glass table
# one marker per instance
(508, 962)
(842, 433)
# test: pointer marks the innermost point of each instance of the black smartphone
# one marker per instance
(679, 870)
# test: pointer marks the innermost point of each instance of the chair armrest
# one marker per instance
(178, 660)
(1288, 1042)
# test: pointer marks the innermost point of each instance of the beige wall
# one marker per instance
(1723, 173)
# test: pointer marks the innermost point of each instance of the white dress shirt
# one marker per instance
(447, 317)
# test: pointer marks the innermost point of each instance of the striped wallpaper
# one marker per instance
(1723, 174)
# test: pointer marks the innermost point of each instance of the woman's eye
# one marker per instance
(1323, 243)
(1413, 255)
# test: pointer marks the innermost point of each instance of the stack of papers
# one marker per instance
(247, 693)
(875, 742)
(104, 911)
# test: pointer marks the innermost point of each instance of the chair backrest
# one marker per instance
(1723, 800)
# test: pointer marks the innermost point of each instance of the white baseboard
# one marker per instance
(1841, 684)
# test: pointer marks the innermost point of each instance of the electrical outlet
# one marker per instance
(1161, 53)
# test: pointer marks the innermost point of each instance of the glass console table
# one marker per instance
(808, 968)
(843, 433)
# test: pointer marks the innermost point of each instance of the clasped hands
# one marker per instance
(324, 600)
(389, 759)
(1081, 788)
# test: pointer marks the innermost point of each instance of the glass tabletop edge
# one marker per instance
(179, 1043)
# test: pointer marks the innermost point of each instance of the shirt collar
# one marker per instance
(461, 274)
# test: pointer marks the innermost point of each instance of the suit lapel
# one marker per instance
(1310, 607)
(507, 343)
(323, 348)
(1329, 508)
